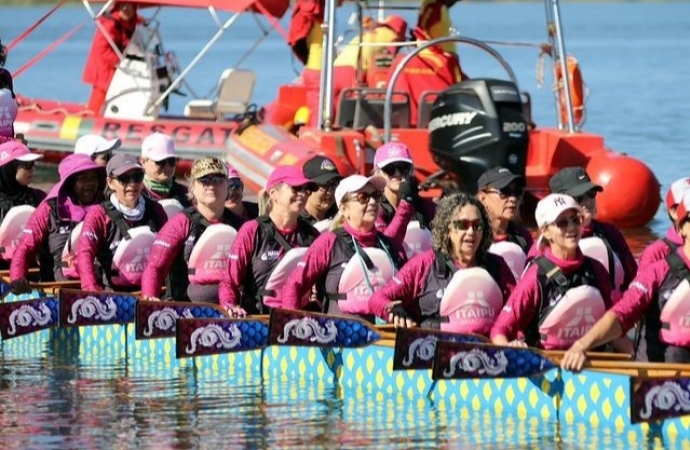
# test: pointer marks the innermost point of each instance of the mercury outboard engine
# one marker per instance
(476, 125)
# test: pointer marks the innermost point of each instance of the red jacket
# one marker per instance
(103, 60)
(304, 15)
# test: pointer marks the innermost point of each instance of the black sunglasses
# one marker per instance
(587, 195)
(235, 183)
(211, 180)
(466, 224)
(305, 189)
(563, 222)
(172, 162)
(26, 165)
(105, 156)
(507, 192)
(364, 197)
(330, 186)
(134, 177)
(402, 167)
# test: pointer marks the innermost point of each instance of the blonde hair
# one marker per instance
(337, 221)
(264, 202)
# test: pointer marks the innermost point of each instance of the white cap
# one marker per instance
(354, 183)
(676, 191)
(158, 146)
(90, 144)
(552, 206)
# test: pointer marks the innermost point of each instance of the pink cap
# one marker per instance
(683, 207)
(232, 172)
(290, 175)
(676, 191)
(8, 112)
(157, 147)
(390, 153)
(15, 150)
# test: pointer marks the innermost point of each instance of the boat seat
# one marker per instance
(361, 107)
(235, 89)
(426, 104)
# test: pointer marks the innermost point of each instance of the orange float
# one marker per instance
(577, 91)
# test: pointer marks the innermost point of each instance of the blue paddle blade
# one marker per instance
(459, 360)
(159, 319)
(301, 328)
(83, 308)
(659, 398)
(200, 337)
(415, 347)
(28, 316)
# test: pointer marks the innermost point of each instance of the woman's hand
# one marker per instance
(575, 358)
(236, 312)
(517, 344)
(152, 299)
(20, 286)
(398, 316)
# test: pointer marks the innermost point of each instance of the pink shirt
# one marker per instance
(658, 250)
(34, 238)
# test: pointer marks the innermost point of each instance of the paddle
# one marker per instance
(201, 337)
(659, 398)
(415, 347)
(158, 319)
(28, 316)
(459, 360)
(85, 308)
(302, 328)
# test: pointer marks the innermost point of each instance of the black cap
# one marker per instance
(573, 181)
(498, 177)
(321, 170)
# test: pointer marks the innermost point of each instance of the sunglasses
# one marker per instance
(507, 192)
(235, 184)
(26, 165)
(172, 162)
(328, 186)
(306, 189)
(212, 180)
(564, 222)
(466, 224)
(586, 196)
(402, 167)
(106, 156)
(135, 177)
(364, 197)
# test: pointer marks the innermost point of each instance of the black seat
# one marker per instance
(361, 107)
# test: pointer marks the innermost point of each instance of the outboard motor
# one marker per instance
(476, 125)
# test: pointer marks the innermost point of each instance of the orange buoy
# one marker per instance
(577, 91)
(631, 195)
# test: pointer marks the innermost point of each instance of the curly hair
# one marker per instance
(445, 210)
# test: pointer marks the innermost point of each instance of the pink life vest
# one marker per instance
(279, 275)
(471, 301)
(361, 277)
(323, 225)
(69, 254)
(131, 256)
(512, 254)
(209, 258)
(595, 248)
(171, 206)
(11, 229)
(417, 239)
(573, 316)
(676, 316)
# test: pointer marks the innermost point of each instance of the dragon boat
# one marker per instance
(455, 374)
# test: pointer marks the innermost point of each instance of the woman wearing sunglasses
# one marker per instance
(354, 259)
(235, 201)
(266, 249)
(17, 199)
(191, 250)
(51, 228)
(600, 240)
(657, 300)
(96, 147)
(117, 234)
(456, 286)
(321, 208)
(159, 159)
(562, 292)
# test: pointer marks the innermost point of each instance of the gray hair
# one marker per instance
(444, 215)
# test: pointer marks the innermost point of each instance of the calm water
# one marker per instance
(630, 54)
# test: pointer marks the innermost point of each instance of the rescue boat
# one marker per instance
(255, 140)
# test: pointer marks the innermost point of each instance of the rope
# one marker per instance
(47, 50)
(29, 30)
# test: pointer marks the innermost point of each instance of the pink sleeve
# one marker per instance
(93, 234)
(520, 308)
(654, 252)
(407, 285)
(314, 264)
(167, 246)
(397, 229)
(34, 236)
(240, 258)
(640, 294)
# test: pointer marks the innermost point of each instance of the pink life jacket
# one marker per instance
(471, 301)
(512, 254)
(675, 311)
(209, 258)
(11, 229)
(417, 239)
(131, 256)
(596, 248)
(69, 254)
(276, 281)
(171, 206)
(573, 316)
(369, 270)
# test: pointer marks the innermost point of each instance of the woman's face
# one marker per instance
(210, 190)
(160, 171)
(564, 233)
(502, 203)
(395, 174)
(25, 172)
(127, 187)
(323, 198)
(465, 230)
(361, 208)
(85, 186)
(235, 192)
(290, 198)
(588, 203)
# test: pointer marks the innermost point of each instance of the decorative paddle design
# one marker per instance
(415, 347)
(28, 316)
(301, 328)
(83, 308)
(199, 337)
(158, 319)
(659, 398)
